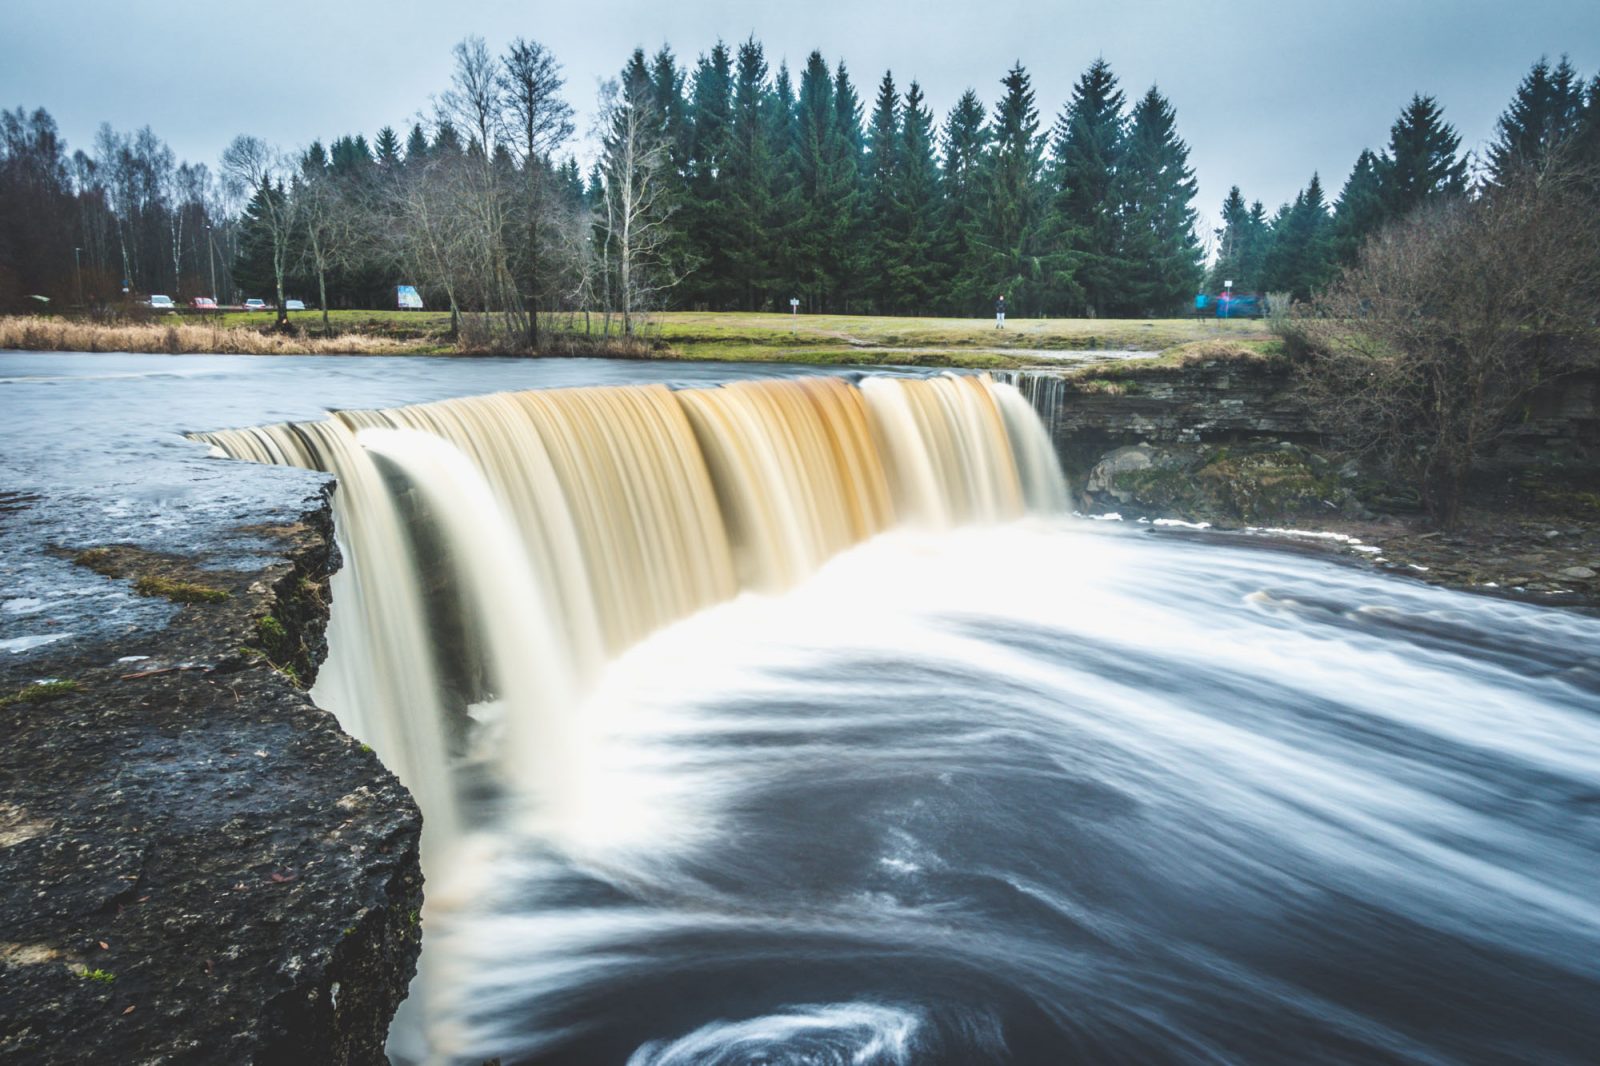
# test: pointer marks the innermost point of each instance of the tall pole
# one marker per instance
(77, 270)
(211, 257)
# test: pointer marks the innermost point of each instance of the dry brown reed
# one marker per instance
(33, 333)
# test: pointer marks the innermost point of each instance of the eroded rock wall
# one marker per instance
(197, 865)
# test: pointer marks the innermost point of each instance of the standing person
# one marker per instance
(1000, 312)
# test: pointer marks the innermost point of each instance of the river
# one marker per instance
(1039, 790)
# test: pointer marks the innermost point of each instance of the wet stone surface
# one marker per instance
(196, 863)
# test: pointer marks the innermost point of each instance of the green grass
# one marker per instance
(822, 339)
(1241, 349)
(696, 332)
(41, 692)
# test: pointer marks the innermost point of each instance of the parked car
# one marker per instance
(203, 303)
(294, 305)
(255, 305)
(162, 303)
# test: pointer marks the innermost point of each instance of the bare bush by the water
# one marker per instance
(63, 335)
(1421, 354)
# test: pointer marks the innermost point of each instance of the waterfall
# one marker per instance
(501, 549)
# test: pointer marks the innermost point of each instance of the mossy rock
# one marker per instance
(178, 591)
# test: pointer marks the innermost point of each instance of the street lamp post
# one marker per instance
(211, 257)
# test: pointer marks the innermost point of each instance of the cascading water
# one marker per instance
(758, 725)
(571, 523)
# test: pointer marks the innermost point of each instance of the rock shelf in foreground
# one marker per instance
(197, 865)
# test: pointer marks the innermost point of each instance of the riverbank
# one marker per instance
(196, 863)
(733, 337)
(1215, 435)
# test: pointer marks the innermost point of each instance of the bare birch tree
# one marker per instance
(329, 221)
(636, 203)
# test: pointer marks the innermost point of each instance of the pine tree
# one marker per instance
(706, 208)
(253, 270)
(787, 218)
(1422, 163)
(1300, 259)
(1088, 271)
(350, 156)
(1232, 237)
(1253, 249)
(824, 164)
(1360, 210)
(966, 145)
(1544, 115)
(387, 148)
(1160, 252)
(446, 141)
(1586, 140)
(416, 144)
(1007, 237)
(666, 81)
(852, 253)
(915, 273)
(882, 215)
(749, 179)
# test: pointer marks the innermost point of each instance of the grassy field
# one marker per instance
(833, 339)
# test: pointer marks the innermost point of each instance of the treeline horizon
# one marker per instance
(726, 185)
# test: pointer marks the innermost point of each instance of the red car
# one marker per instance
(203, 303)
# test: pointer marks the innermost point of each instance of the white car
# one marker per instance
(255, 305)
(294, 305)
(162, 303)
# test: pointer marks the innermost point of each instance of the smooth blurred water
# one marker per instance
(94, 453)
(1057, 792)
(1040, 793)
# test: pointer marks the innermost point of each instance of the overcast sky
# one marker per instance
(1266, 92)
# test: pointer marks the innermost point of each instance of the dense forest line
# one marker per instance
(725, 186)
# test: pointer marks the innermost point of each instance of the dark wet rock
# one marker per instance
(196, 864)
(1245, 483)
(1227, 442)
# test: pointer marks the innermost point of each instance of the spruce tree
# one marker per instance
(416, 144)
(824, 165)
(1544, 115)
(1586, 141)
(1423, 162)
(1300, 259)
(1088, 271)
(387, 148)
(787, 219)
(1253, 250)
(666, 81)
(1232, 237)
(253, 270)
(1360, 209)
(446, 141)
(1160, 252)
(747, 184)
(850, 270)
(915, 273)
(966, 146)
(881, 215)
(1005, 260)
(706, 208)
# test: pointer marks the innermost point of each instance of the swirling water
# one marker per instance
(1044, 793)
(1041, 792)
